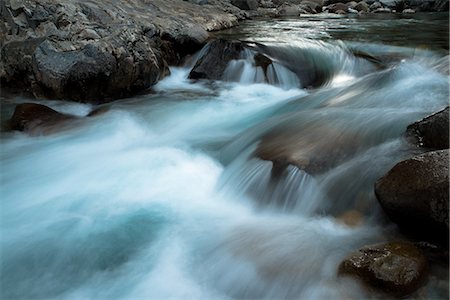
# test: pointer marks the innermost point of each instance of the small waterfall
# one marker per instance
(246, 71)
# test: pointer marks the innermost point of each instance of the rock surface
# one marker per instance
(37, 119)
(432, 131)
(415, 195)
(395, 268)
(217, 55)
(94, 50)
(314, 150)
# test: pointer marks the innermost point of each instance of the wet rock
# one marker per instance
(352, 218)
(396, 268)
(432, 131)
(382, 10)
(375, 6)
(362, 7)
(415, 195)
(121, 49)
(392, 4)
(262, 61)
(37, 119)
(212, 64)
(352, 4)
(420, 5)
(329, 2)
(17, 61)
(290, 10)
(245, 4)
(312, 7)
(199, 2)
(94, 73)
(441, 6)
(334, 8)
(315, 151)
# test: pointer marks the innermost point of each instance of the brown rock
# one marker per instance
(312, 150)
(396, 268)
(415, 195)
(37, 119)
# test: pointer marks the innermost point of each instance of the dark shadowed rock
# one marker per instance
(38, 119)
(245, 4)
(441, 6)
(262, 61)
(432, 131)
(215, 59)
(396, 268)
(94, 73)
(415, 195)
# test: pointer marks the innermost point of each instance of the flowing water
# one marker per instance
(163, 197)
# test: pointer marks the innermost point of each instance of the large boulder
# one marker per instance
(36, 119)
(396, 268)
(215, 59)
(95, 50)
(432, 131)
(362, 6)
(96, 72)
(415, 195)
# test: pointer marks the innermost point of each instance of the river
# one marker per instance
(162, 197)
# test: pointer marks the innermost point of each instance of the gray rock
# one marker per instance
(375, 6)
(415, 195)
(432, 131)
(134, 43)
(213, 62)
(245, 4)
(198, 2)
(396, 268)
(291, 10)
(334, 8)
(408, 11)
(362, 6)
(94, 73)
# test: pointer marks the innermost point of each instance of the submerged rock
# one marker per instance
(315, 151)
(415, 195)
(38, 119)
(214, 61)
(396, 268)
(432, 131)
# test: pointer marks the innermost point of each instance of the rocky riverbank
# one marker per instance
(96, 51)
(93, 51)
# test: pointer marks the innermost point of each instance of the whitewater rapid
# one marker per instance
(161, 197)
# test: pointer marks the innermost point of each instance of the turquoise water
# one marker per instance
(163, 197)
